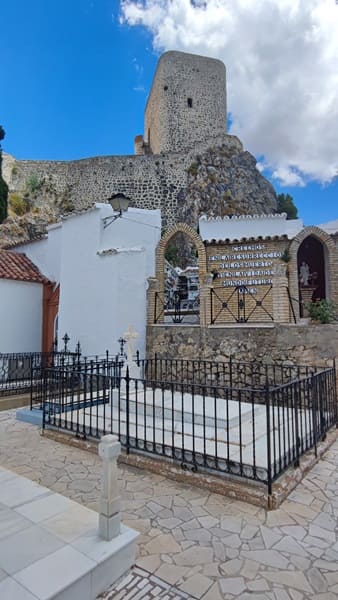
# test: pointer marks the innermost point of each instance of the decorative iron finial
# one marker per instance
(65, 339)
(122, 342)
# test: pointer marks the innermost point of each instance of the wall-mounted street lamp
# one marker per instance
(119, 203)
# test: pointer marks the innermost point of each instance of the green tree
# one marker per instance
(286, 204)
(3, 184)
(172, 255)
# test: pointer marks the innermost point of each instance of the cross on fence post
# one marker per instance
(65, 339)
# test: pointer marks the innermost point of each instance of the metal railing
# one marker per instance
(253, 431)
(72, 373)
(298, 416)
(20, 372)
(231, 373)
(240, 305)
(176, 310)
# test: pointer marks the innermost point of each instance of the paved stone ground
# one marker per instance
(142, 585)
(200, 543)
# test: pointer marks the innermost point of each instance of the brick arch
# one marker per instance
(331, 261)
(161, 248)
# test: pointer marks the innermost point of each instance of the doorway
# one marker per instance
(311, 272)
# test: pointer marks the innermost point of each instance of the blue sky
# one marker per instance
(74, 83)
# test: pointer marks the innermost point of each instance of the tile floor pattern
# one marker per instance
(141, 585)
(205, 545)
(49, 545)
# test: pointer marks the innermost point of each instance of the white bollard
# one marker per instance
(109, 517)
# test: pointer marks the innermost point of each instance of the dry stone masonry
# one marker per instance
(282, 344)
(185, 162)
(186, 104)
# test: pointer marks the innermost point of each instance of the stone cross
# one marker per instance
(109, 516)
(130, 336)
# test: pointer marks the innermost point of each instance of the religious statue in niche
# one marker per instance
(304, 274)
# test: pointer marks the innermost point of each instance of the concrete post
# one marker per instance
(205, 291)
(151, 294)
(109, 517)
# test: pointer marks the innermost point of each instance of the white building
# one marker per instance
(238, 227)
(22, 289)
(99, 265)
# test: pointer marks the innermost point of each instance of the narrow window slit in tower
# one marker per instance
(189, 102)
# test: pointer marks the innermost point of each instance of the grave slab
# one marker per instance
(40, 559)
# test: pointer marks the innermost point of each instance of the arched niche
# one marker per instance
(313, 248)
(161, 249)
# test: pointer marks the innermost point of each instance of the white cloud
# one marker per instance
(288, 176)
(282, 72)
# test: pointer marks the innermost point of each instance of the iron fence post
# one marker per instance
(127, 410)
(78, 350)
(297, 440)
(268, 440)
(314, 411)
(211, 306)
(31, 381)
(155, 370)
(44, 403)
(322, 392)
(335, 391)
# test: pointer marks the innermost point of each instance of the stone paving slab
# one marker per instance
(199, 543)
(142, 585)
(54, 551)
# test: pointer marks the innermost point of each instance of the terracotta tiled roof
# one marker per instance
(17, 266)
(38, 238)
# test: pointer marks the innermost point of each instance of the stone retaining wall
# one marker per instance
(288, 344)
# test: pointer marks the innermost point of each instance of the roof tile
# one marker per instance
(19, 267)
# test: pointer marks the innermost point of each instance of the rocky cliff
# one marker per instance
(224, 180)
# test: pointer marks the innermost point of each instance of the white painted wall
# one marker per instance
(21, 322)
(46, 253)
(102, 272)
(331, 227)
(103, 277)
(246, 226)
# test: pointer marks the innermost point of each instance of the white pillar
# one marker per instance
(109, 517)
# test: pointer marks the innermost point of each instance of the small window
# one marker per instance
(165, 88)
(189, 102)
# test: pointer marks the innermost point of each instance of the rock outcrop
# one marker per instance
(223, 181)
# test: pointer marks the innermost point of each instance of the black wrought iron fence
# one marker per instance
(252, 431)
(230, 373)
(70, 377)
(21, 372)
(298, 416)
(176, 309)
(241, 304)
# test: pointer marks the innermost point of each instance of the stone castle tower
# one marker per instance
(185, 164)
(186, 104)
